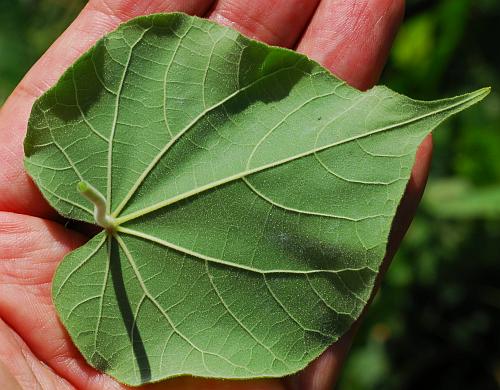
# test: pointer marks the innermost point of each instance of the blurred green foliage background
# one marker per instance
(436, 322)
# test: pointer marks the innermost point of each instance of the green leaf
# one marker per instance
(246, 193)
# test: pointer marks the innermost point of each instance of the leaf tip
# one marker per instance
(477, 96)
(483, 92)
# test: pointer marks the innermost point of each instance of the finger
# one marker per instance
(190, 383)
(96, 19)
(322, 373)
(30, 249)
(352, 38)
(21, 369)
(280, 23)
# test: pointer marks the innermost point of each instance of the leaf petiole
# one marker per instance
(93, 195)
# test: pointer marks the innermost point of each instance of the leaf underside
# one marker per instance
(253, 194)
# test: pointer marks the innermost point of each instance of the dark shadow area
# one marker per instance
(79, 88)
(127, 314)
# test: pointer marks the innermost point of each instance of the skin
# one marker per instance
(350, 37)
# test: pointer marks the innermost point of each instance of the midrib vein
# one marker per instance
(237, 176)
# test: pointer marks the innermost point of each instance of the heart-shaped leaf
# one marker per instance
(246, 194)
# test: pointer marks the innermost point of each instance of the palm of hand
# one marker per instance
(350, 37)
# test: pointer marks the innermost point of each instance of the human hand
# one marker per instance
(350, 37)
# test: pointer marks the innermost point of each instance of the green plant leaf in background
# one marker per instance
(458, 199)
(246, 194)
